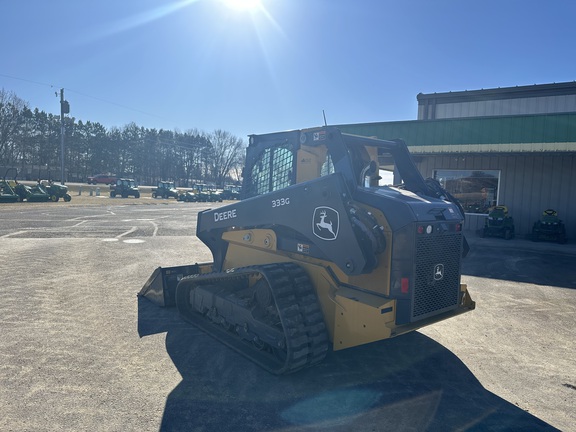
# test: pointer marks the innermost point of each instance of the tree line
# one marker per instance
(30, 142)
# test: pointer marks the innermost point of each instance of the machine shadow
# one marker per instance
(489, 259)
(411, 383)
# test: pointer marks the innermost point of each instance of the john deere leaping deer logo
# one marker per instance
(325, 223)
(438, 272)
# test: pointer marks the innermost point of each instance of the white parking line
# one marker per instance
(14, 233)
(155, 225)
(130, 231)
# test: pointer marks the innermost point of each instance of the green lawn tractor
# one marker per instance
(56, 191)
(499, 224)
(549, 227)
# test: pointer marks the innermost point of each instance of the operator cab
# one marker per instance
(279, 160)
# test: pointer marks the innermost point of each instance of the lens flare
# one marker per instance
(243, 4)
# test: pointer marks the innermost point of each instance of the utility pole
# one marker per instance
(64, 109)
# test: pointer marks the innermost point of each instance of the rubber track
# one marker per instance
(298, 308)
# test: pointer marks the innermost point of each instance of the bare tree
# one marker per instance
(225, 155)
(11, 107)
(30, 140)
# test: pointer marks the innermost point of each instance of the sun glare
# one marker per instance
(242, 5)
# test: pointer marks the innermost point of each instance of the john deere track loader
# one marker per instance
(317, 255)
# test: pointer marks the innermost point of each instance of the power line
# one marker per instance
(27, 80)
(116, 104)
(83, 94)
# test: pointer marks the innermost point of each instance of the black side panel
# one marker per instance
(316, 210)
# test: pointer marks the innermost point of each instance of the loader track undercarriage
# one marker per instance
(269, 313)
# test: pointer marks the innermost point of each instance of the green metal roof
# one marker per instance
(528, 129)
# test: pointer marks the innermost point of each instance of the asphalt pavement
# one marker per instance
(80, 351)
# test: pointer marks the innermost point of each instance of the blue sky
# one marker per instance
(205, 64)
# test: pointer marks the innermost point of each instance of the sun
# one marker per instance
(243, 5)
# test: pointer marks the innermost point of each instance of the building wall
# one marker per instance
(528, 133)
(504, 134)
(519, 100)
(529, 184)
(505, 107)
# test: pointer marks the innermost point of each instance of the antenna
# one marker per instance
(324, 114)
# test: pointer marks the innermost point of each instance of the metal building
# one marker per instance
(509, 146)
(520, 100)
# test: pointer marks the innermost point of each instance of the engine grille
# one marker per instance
(437, 274)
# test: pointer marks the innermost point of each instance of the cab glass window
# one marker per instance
(273, 171)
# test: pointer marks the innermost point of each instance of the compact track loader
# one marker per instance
(317, 255)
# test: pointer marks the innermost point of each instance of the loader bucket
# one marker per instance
(160, 288)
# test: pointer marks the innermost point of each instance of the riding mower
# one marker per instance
(499, 224)
(549, 227)
(56, 191)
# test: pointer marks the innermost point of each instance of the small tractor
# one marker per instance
(56, 191)
(165, 189)
(318, 255)
(499, 224)
(549, 227)
(124, 187)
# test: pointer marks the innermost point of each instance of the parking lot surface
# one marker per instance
(80, 351)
